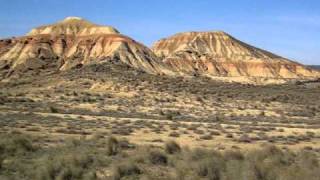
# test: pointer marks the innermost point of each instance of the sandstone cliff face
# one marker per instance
(217, 54)
(73, 44)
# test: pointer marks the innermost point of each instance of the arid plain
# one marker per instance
(91, 103)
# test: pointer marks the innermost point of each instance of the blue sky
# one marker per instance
(290, 28)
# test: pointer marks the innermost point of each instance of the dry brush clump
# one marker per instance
(22, 158)
(126, 169)
(172, 147)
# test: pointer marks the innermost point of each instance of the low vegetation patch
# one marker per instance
(24, 157)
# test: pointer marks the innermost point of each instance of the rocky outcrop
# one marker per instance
(73, 43)
(217, 54)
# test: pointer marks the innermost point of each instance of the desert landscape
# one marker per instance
(83, 101)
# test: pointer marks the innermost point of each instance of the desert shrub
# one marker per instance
(174, 134)
(157, 157)
(192, 127)
(234, 155)
(174, 127)
(157, 140)
(198, 131)
(245, 139)
(13, 144)
(206, 137)
(246, 129)
(122, 131)
(205, 163)
(310, 134)
(210, 168)
(172, 147)
(215, 133)
(125, 144)
(66, 166)
(98, 135)
(302, 113)
(53, 109)
(308, 148)
(72, 130)
(157, 130)
(27, 161)
(272, 163)
(112, 147)
(2, 156)
(35, 129)
(229, 135)
(126, 169)
(171, 115)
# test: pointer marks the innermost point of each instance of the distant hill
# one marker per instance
(75, 42)
(217, 54)
(72, 43)
(315, 66)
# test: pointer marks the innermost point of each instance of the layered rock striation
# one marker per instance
(72, 43)
(217, 54)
